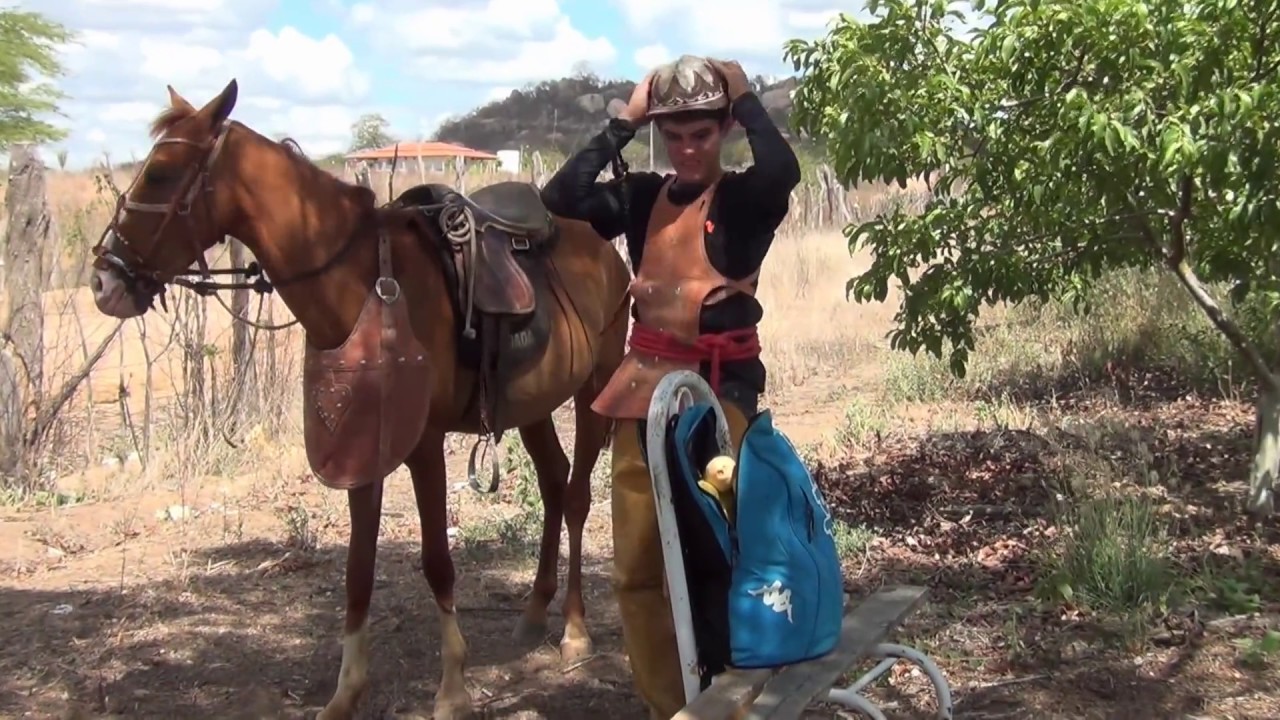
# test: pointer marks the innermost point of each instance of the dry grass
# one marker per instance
(1101, 454)
(809, 328)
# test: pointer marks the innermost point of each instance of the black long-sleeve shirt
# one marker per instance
(745, 212)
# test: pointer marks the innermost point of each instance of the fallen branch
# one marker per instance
(1235, 622)
(1011, 681)
(49, 413)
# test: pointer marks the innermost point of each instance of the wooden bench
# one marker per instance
(781, 693)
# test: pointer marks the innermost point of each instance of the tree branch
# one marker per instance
(1260, 44)
(1013, 107)
(1226, 325)
(1177, 260)
(1178, 222)
(1090, 226)
(47, 414)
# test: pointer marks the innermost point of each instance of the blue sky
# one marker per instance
(309, 68)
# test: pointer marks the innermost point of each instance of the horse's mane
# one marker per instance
(292, 146)
(171, 116)
(311, 171)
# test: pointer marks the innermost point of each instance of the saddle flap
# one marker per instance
(502, 287)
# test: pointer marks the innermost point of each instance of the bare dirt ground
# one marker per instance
(112, 610)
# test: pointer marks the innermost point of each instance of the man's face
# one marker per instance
(693, 148)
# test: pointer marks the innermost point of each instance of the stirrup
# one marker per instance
(495, 465)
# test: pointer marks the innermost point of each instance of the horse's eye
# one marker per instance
(159, 176)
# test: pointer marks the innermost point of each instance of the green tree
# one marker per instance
(1062, 138)
(28, 59)
(369, 132)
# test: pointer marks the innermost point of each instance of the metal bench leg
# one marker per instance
(889, 654)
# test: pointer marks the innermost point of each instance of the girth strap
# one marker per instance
(388, 290)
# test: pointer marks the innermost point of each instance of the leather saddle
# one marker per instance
(495, 242)
(506, 219)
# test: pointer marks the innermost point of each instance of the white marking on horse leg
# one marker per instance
(453, 701)
(353, 676)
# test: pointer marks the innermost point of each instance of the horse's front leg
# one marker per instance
(426, 465)
(365, 505)
(552, 470)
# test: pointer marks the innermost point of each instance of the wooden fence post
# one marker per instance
(28, 236)
(241, 349)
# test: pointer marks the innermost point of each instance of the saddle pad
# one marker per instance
(785, 596)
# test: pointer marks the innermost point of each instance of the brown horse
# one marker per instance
(391, 299)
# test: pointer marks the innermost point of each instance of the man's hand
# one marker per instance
(735, 80)
(637, 110)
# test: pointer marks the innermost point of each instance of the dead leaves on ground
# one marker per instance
(967, 511)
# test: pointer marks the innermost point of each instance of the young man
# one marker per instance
(696, 240)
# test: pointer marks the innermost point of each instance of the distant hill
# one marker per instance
(561, 115)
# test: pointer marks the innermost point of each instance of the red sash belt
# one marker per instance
(714, 348)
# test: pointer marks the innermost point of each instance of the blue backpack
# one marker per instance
(766, 590)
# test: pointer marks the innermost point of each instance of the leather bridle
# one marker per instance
(123, 256)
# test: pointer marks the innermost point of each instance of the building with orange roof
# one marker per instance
(428, 156)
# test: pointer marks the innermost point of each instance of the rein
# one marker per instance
(621, 171)
(195, 182)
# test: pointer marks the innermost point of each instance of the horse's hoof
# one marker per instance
(337, 710)
(454, 709)
(528, 631)
(574, 651)
(328, 713)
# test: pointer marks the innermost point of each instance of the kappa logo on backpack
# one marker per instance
(785, 590)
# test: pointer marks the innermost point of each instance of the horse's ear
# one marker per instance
(177, 101)
(219, 108)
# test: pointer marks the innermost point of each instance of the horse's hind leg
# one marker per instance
(365, 505)
(426, 466)
(552, 468)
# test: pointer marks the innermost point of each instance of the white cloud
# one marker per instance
(751, 30)
(363, 13)
(317, 69)
(156, 16)
(502, 92)
(460, 27)
(126, 51)
(530, 61)
(127, 113)
(504, 42)
(644, 15)
(428, 126)
(651, 56)
(319, 129)
(176, 62)
(813, 21)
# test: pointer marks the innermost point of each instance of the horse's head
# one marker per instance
(171, 213)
